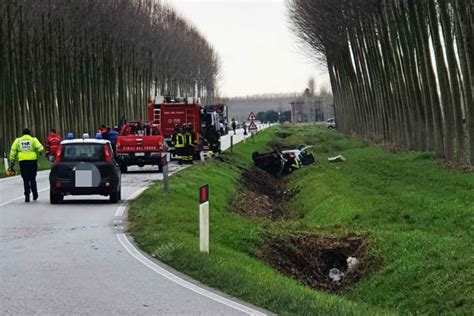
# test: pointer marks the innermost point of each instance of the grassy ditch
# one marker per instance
(415, 215)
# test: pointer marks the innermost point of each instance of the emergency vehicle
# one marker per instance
(170, 112)
(222, 112)
(140, 143)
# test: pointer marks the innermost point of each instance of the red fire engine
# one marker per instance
(169, 112)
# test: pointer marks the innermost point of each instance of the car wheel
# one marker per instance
(55, 198)
(123, 168)
(115, 196)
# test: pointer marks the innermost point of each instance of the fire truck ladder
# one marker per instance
(157, 115)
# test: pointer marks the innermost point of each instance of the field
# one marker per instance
(415, 215)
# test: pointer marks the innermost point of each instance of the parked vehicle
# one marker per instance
(140, 143)
(171, 112)
(331, 123)
(221, 112)
(85, 167)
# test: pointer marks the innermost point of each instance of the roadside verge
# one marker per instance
(166, 227)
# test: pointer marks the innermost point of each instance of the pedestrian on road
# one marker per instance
(52, 144)
(244, 126)
(234, 125)
(27, 148)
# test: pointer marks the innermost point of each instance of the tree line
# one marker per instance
(74, 65)
(401, 71)
(273, 116)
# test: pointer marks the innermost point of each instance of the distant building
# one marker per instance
(309, 108)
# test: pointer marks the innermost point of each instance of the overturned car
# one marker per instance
(279, 162)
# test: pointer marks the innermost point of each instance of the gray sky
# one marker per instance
(259, 53)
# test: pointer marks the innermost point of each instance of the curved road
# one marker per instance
(75, 258)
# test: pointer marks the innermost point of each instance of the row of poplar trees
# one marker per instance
(402, 71)
(74, 65)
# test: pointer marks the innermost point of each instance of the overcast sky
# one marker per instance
(258, 51)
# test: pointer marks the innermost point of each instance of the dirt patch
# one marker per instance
(261, 195)
(310, 258)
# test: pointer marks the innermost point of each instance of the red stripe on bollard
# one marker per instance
(204, 194)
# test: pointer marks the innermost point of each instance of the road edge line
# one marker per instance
(134, 252)
(20, 197)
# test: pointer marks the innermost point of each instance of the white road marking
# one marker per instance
(21, 197)
(121, 209)
(136, 193)
(18, 176)
(122, 238)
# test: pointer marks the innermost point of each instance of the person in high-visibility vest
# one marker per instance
(179, 143)
(189, 139)
(27, 148)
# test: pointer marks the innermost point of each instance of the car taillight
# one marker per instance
(108, 156)
(58, 154)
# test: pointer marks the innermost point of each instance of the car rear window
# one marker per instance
(83, 152)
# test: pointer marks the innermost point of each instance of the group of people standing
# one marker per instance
(26, 149)
(184, 141)
(108, 133)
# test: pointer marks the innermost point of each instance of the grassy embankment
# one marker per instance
(417, 215)
(43, 164)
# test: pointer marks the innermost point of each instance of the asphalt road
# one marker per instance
(76, 258)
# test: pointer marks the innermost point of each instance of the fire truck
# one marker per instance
(169, 112)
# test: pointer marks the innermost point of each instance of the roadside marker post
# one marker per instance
(164, 164)
(204, 218)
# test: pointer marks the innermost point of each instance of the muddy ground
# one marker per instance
(262, 195)
(310, 257)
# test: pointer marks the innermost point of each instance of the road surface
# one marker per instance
(75, 258)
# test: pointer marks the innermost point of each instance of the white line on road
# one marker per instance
(122, 238)
(121, 209)
(19, 198)
(136, 193)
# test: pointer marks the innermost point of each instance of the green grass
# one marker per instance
(417, 215)
(43, 164)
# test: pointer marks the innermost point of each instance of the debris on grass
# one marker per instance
(338, 158)
(324, 263)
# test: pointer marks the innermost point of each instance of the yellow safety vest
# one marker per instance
(189, 139)
(179, 140)
(26, 147)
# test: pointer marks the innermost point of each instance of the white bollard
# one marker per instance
(204, 218)
(204, 227)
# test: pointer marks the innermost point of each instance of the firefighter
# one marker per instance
(52, 144)
(27, 148)
(179, 144)
(189, 139)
